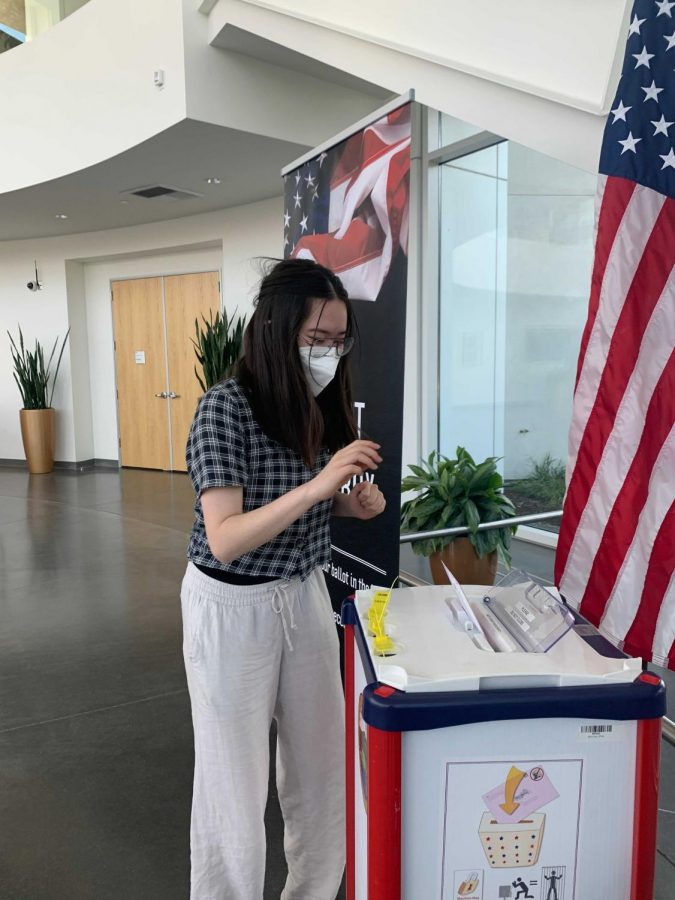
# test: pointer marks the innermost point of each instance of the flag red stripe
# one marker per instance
(643, 294)
(661, 564)
(354, 165)
(360, 244)
(398, 188)
(622, 522)
(671, 657)
(615, 199)
(400, 116)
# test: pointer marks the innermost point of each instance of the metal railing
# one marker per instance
(484, 526)
(668, 730)
(668, 725)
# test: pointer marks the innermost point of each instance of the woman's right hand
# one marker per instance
(354, 459)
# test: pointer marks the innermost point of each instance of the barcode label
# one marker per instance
(596, 731)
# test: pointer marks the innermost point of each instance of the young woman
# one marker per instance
(268, 452)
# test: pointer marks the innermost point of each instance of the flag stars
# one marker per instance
(630, 143)
(671, 40)
(298, 176)
(310, 180)
(661, 127)
(303, 223)
(297, 199)
(665, 7)
(642, 58)
(287, 219)
(635, 25)
(321, 159)
(668, 160)
(651, 92)
(315, 196)
(620, 112)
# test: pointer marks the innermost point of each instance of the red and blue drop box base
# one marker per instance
(475, 775)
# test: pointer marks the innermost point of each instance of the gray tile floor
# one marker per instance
(95, 732)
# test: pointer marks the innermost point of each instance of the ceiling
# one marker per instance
(182, 157)
(240, 41)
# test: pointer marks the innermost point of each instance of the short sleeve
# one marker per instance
(216, 450)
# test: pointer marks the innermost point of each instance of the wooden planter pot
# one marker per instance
(37, 432)
(462, 560)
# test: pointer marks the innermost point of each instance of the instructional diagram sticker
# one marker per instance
(553, 883)
(469, 884)
(520, 794)
(521, 818)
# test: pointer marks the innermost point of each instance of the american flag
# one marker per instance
(348, 209)
(616, 550)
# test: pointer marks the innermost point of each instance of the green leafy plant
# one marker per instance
(457, 492)
(545, 482)
(32, 375)
(217, 347)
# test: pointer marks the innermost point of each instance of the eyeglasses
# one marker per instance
(323, 346)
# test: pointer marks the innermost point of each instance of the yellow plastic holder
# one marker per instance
(375, 620)
(378, 609)
(384, 646)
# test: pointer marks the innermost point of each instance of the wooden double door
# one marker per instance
(157, 389)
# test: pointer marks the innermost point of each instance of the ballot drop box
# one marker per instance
(477, 770)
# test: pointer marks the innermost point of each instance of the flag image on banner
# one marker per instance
(350, 213)
(616, 549)
(347, 208)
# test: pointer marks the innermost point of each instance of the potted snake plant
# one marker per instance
(34, 378)
(459, 492)
(217, 347)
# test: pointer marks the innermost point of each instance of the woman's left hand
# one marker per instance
(365, 501)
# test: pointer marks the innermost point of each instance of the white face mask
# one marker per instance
(319, 370)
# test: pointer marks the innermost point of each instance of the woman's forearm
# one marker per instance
(241, 532)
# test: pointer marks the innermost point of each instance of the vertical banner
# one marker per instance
(348, 209)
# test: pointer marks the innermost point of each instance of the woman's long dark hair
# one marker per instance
(270, 370)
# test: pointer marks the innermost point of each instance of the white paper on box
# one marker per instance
(434, 654)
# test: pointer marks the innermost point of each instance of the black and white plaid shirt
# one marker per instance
(226, 448)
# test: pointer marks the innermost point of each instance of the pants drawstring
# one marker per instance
(281, 601)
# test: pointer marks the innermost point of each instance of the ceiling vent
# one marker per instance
(161, 192)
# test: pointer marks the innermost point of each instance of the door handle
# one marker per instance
(163, 395)
(173, 396)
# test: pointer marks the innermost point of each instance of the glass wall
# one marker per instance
(515, 256)
(43, 14)
(22, 20)
(12, 24)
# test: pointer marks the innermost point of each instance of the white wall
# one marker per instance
(532, 113)
(80, 353)
(83, 91)
(42, 316)
(563, 51)
(242, 232)
(238, 91)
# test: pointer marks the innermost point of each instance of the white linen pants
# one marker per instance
(251, 654)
